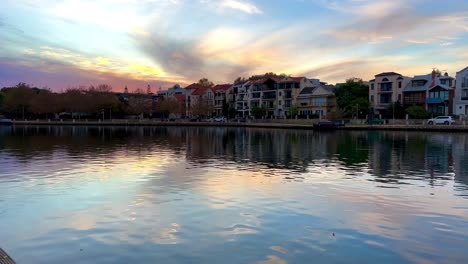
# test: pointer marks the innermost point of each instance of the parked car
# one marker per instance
(445, 120)
(219, 119)
(376, 121)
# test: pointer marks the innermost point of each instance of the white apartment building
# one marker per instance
(461, 93)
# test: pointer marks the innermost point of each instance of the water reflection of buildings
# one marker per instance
(404, 155)
(389, 156)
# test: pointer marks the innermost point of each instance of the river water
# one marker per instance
(228, 195)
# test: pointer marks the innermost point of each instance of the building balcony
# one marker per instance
(385, 91)
(268, 98)
(434, 100)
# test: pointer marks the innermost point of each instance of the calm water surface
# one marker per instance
(226, 195)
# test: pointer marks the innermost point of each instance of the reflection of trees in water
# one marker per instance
(391, 156)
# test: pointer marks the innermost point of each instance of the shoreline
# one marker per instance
(276, 125)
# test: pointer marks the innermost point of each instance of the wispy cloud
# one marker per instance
(241, 6)
(184, 40)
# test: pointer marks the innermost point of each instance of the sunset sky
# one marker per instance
(66, 43)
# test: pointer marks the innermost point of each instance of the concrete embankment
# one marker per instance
(258, 124)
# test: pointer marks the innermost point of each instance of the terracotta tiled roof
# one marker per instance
(201, 91)
(179, 97)
(221, 87)
(194, 86)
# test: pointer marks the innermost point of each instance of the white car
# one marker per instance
(220, 119)
(445, 120)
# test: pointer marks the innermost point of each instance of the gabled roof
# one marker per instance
(201, 91)
(445, 87)
(387, 74)
(428, 85)
(194, 86)
(466, 68)
(221, 87)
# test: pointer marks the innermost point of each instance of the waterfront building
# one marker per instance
(241, 98)
(223, 98)
(277, 95)
(461, 93)
(386, 89)
(176, 89)
(199, 100)
(318, 101)
(433, 91)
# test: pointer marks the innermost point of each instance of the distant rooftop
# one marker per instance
(387, 74)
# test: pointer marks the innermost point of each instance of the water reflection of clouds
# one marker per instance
(297, 193)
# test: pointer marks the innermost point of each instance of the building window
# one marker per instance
(372, 98)
(399, 84)
(386, 87)
(384, 80)
(372, 86)
(279, 93)
(279, 102)
(399, 98)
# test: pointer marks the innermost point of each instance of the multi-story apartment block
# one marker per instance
(385, 89)
(241, 98)
(433, 91)
(317, 100)
(461, 93)
(223, 98)
(276, 94)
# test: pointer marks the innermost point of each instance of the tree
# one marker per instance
(76, 101)
(139, 104)
(169, 106)
(293, 112)
(417, 112)
(205, 83)
(352, 97)
(2, 98)
(396, 110)
(44, 102)
(202, 107)
(258, 112)
(267, 75)
(18, 99)
(101, 99)
(239, 80)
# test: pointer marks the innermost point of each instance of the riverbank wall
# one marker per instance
(461, 127)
